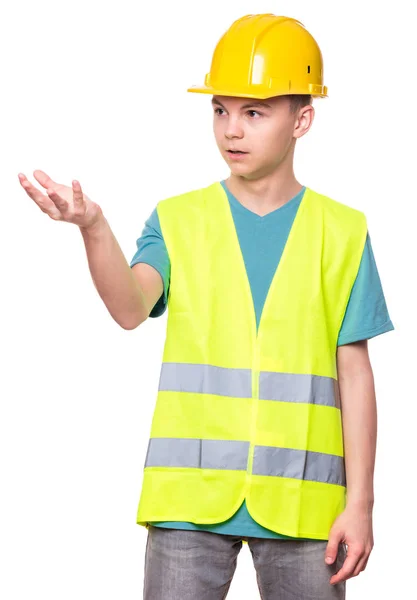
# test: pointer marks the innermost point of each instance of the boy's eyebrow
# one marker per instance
(254, 103)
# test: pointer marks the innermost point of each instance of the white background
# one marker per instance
(97, 91)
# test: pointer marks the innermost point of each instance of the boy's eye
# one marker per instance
(249, 111)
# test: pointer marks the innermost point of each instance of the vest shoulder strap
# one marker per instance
(340, 217)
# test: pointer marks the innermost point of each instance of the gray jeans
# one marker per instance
(199, 565)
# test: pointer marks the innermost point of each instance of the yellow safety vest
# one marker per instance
(251, 414)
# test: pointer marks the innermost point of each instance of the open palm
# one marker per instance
(62, 203)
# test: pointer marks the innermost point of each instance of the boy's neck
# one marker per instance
(263, 195)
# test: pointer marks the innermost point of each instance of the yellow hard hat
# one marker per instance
(261, 56)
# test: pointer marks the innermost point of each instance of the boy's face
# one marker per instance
(264, 129)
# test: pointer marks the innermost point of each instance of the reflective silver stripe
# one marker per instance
(233, 455)
(299, 387)
(197, 453)
(299, 464)
(222, 381)
(205, 379)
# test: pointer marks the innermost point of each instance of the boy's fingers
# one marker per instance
(44, 179)
(31, 190)
(44, 202)
(77, 193)
(347, 569)
(59, 202)
(359, 567)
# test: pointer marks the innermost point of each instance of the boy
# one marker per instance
(264, 429)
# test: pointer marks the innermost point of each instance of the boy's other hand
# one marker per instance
(62, 203)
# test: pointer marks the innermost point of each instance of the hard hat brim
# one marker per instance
(262, 94)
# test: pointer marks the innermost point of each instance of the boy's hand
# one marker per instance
(62, 203)
(354, 528)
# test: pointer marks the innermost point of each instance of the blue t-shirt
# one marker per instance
(262, 240)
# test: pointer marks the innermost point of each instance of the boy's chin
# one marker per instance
(241, 168)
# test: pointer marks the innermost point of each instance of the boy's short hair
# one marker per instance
(298, 101)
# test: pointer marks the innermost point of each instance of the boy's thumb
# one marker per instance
(331, 550)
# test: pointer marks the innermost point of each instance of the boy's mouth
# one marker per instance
(235, 155)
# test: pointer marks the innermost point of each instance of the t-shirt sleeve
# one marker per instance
(151, 249)
(366, 314)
